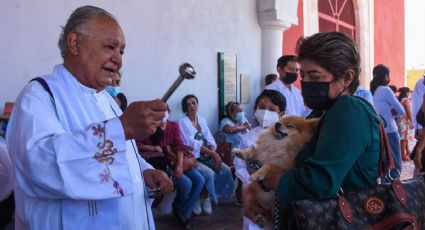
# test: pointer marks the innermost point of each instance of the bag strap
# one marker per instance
(386, 161)
(44, 84)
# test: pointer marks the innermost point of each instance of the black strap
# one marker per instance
(44, 84)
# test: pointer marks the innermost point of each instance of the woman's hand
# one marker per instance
(216, 161)
(157, 149)
(178, 172)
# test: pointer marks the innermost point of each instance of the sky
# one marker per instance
(415, 33)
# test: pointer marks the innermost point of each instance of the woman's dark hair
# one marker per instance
(393, 88)
(336, 52)
(379, 77)
(185, 99)
(230, 108)
(403, 91)
(275, 96)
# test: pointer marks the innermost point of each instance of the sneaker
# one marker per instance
(197, 210)
(206, 206)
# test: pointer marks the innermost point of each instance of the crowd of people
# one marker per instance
(81, 155)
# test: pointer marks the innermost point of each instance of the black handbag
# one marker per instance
(394, 205)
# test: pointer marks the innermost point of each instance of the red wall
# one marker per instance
(389, 38)
(291, 36)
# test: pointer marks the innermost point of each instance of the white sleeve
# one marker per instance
(189, 137)
(417, 98)
(393, 101)
(207, 132)
(55, 164)
(6, 173)
(240, 165)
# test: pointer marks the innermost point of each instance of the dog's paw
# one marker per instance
(239, 153)
(256, 177)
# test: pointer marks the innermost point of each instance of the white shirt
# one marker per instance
(61, 148)
(417, 99)
(6, 172)
(294, 100)
(384, 101)
(248, 140)
(188, 132)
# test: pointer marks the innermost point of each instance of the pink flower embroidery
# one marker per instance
(105, 176)
(99, 129)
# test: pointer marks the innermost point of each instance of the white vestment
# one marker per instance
(6, 172)
(74, 169)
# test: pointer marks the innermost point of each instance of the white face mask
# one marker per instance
(266, 118)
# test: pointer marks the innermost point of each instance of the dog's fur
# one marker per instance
(277, 148)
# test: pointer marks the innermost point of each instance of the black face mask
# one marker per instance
(290, 78)
(315, 95)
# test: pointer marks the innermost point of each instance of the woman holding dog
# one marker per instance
(344, 152)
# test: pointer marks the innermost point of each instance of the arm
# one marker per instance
(407, 105)
(417, 99)
(235, 129)
(394, 103)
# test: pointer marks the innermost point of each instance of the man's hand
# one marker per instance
(251, 206)
(141, 118)
(158, 179)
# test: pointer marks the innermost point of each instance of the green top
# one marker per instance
(343, 153)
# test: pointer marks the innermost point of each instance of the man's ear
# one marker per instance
(74, 43)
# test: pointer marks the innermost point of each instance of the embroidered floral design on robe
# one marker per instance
(106, 156)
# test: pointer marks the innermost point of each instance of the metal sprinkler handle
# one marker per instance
(186, 72)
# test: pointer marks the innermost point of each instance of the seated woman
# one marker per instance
(234, 125)
(269, 106)
(344, 152)
(196, 134)
(189, 182)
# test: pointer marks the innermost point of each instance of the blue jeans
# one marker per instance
(189, 187)
(218, 184)
(394, 139)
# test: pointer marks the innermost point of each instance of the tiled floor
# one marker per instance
(225, 217)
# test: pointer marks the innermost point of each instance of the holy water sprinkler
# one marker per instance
(186, 72)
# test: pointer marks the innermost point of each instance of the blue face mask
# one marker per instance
(240, 117)
(113, 91)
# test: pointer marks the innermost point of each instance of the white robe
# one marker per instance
(74, 169)
(6, 172)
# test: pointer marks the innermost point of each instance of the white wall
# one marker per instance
(160, 35)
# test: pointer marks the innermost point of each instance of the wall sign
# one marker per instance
(227, 80)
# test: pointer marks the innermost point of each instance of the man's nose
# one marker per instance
(117, 57)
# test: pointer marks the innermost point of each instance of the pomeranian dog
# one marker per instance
(276, 151)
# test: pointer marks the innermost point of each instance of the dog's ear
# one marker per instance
(313, 123)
